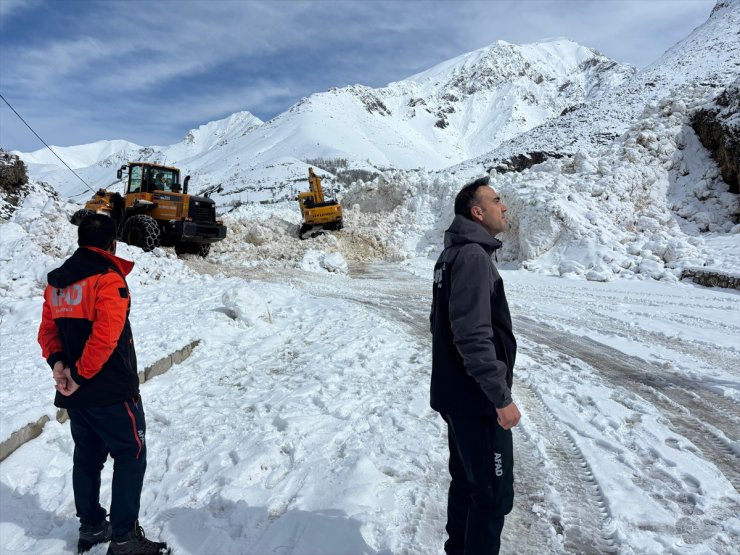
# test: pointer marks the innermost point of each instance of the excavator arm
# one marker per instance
(315, 184)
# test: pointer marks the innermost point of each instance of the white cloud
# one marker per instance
(209, 57)
(9, 8)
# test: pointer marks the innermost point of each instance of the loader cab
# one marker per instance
(148, 178)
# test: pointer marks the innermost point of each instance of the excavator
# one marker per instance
(318, 213)
(156, 210)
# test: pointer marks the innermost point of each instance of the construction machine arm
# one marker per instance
(315, 184)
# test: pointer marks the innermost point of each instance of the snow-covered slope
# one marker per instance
(450, 113)
(709, 56)
(80, 156)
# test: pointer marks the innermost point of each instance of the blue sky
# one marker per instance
(149, 70)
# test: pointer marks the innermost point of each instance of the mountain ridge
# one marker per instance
(478, 100)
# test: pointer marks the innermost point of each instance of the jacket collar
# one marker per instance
(464, 230)
(123, 265)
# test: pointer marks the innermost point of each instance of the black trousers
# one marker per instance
(482, 487)
(120, 430)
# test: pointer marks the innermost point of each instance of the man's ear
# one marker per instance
(476, 213)
(112, 247)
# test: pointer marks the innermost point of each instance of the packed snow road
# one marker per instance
(629, 391)
(300, 424)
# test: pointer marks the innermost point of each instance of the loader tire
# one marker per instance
(79, 215)
(141, 231)
(201, 250)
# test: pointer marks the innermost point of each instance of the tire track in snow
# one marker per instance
(404, 299)
(604, 309)
(710, 421)
(583, 519)
(401, 301)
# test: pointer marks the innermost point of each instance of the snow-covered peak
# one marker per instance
(209, 134)
(708, 57)
(710, 53)
(80, 156)
(503, 61)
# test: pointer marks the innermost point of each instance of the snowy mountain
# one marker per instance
(625, 188)
(709, 57)
(81, 156)
(450, 113)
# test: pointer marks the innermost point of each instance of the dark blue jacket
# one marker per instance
(473, 348)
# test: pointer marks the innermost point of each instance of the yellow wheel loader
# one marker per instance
(156, 210)
(318, 213)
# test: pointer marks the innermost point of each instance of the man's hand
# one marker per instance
(58, 373)
(66, 386)
(509, 416)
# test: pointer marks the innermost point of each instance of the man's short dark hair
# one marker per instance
(467, 197)
(96, 230)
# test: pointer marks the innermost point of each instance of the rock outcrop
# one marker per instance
(718, 129)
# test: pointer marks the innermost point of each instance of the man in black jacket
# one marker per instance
(85, 336)
(473, 357)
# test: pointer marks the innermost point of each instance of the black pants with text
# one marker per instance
(482, 487)
(120, 430)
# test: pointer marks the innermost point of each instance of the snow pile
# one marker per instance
(37, 235)
(267, 235)
(407, 211)
(319, 261)
(634, 208)
(611, 213)
(244, 304)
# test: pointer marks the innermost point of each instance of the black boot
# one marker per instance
(91, 535)
(135, 543)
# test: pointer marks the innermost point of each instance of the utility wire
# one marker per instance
(47, 146)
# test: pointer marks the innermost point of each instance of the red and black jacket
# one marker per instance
(85, 325)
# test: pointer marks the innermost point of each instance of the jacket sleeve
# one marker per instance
(472, 331)
(111, 305)
(51, 345)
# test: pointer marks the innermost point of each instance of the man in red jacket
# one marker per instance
(85, 336)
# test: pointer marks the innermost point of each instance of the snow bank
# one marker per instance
(243, 304)
(636, 208)
(318, 261)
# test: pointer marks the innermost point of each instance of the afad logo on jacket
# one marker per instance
(439, 275)
(67, 299)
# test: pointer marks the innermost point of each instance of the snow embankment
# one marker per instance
(649, 205)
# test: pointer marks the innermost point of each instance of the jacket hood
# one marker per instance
(86, 262)
(464, 230)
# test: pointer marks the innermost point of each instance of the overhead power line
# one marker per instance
(46, 145)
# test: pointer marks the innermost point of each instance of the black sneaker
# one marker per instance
(135, 543)
(93, 535)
